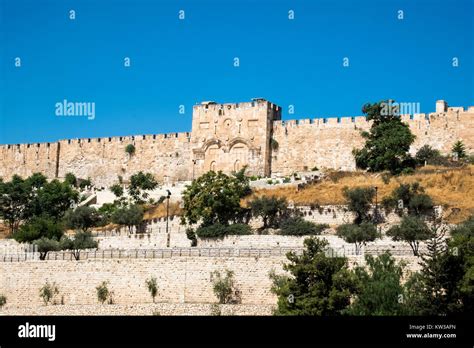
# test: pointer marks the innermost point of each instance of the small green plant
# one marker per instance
(3, 301)
(286, 180)
(224, 287)
(270, 182)
(103, 293)
(156, 313)
(191, 234)
(152, 287)
(216, 310)
(459, 150)
(48, 291)
(274, 145)
(130, 149)
(314, 169)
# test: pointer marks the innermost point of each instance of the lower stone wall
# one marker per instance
(180, 279)
(143, 309)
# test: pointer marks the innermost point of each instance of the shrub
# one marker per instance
(286, 180)
(48, 291)
(130, 149)
(152, 287)
(191, 235)
(3, 301)
(39, 227)
(224, 287)
(103, 293)
(220, 231)
(82, 218)
(216, 310)
(117, 190)
(297, 226)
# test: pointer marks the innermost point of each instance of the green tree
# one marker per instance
(82, 218)
(128, 216)
(316, 284)
(139, 183)
(387, 143)
(411, 230)
(218, 230)
(14, 198)
(412, 198)
(439, 288)
(459, 150)
(117, 190)
(70, 179)
(45, 245)
(215, 198)
(359, 200)
(358, 234)
(379, 287)
(52, 199)
(82, 240)
(39, 227)
(270, 209)
(427, 155)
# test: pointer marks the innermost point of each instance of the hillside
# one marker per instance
(453, 188)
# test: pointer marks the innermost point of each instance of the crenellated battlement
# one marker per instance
(228, 136)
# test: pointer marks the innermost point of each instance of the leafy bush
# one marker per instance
(152, 287)
(220, 231)
(459, 149)
(286, 180)
(3, 301)
(117, 190)
(48, 291)
(103, 293)
(191, 235)
(224, 287)
(297, 226)
(130, 149)
(37, 228)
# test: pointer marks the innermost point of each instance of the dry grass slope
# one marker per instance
(453, 188)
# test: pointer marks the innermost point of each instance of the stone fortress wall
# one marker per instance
(227, 137)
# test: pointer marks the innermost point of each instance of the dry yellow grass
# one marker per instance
(159, 211)
(449, 187)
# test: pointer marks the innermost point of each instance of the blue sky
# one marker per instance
(182, 62)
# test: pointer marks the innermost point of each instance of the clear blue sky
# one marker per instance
(174, 62)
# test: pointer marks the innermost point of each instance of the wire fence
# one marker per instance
(190, 252)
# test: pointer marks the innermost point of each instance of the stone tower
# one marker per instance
(229, 136)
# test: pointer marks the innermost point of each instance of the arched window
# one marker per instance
(213, 166)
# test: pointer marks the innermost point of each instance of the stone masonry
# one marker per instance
(227, 137)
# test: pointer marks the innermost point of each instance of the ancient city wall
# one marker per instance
(328, 143)
(227, 137)
(180, 279)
